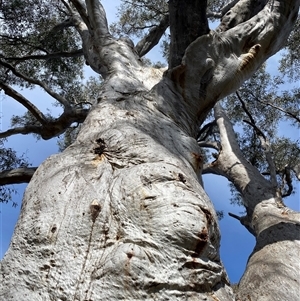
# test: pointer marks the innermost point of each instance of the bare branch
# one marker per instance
(153, 37)
(25, 102)
(244, 220)
(232, 163)
(75, 53)
(17, 175)
(52, 128)
(59, 98)
(211, 168)
(207, 129)
(24, 130)
(223, 10)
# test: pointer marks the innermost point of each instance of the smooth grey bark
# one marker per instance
(276, 227)
(121, 213)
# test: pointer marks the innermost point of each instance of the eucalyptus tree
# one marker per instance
(121, 214)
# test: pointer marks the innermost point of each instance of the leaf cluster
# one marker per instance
(45, 31)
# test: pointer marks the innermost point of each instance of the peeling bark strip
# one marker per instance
(136, 224)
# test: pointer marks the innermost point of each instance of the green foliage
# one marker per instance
(290, 62)
(136, 17)
(43, 31)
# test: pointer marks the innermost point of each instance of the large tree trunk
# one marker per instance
(121, 213)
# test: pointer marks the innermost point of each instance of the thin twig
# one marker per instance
(264, 142)
(30, 80)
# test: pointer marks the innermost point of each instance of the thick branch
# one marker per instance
(30, 80)
(210, 168)
(55, 55)
(231, 162)
(17, 176)
(81, 9)
(25, 102)
(237, 12)
(287, 180)
(216, 64)
(97, 17)
(52, 128)
(224, 10)
(153, 37)
(209, 144)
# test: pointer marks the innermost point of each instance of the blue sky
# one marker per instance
(236, 243)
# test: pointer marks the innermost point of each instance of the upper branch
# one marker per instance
(224, 10)
(30, 80)
(237, 12)
(81, 9)
(25, 102)
(153, 37)
(290, 114)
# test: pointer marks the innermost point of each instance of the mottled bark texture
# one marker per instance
(121, 213)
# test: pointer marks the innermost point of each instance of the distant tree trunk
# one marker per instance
(121, 213)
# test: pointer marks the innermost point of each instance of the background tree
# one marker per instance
(124, 202)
